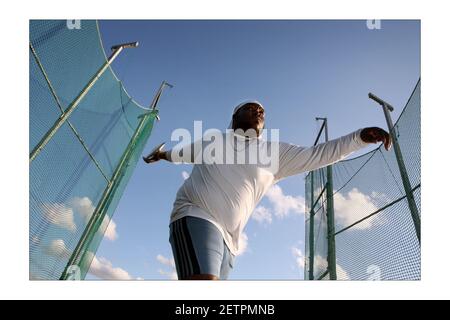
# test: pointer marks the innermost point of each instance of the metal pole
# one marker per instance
(311, 231)
(330, 215)
(63, 117)
(101, 209)
(387, 108)
(311, 216)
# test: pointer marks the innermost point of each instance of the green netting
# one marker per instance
(375, 236)
(90, 158)
(319, 224)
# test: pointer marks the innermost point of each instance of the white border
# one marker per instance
(14, 126)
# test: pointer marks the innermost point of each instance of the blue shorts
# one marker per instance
(198, 248)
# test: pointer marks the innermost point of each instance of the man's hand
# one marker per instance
(158, 155)
(374, 135)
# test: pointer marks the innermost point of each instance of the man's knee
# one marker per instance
(202, 277)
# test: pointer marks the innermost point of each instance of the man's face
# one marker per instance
(249, 116)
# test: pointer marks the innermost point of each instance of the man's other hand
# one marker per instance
(374, 135)
(156, 156)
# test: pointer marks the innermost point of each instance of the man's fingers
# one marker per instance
(153, 157)
(378, 137)
(383, 136)
(389, 141)
(375, 135)
(149, 159)
(386, 141)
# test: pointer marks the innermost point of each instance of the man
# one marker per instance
(214, 204)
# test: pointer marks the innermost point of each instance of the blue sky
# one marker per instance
(297, 69)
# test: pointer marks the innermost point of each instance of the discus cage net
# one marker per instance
(364, 226)
(86, 136)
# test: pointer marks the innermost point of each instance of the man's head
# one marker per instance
(249, 115)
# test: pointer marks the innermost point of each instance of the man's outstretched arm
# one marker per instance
(184, 154)
(295, 159)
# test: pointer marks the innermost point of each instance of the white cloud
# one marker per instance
(380, 199)
(185, 175)
(285, 204)
(354, 206)
(103, 269)
(60, 215)
(63, 216)
(262, 215)
(243, 244)
(167, 262)
(320, 263)
(110, 233)
(299, 257)
(84, 207)
(172, 275)
(281, 206)
(341, 273)
(100, 267)
(58, 249)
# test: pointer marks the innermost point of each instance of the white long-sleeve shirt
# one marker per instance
(227, 194)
